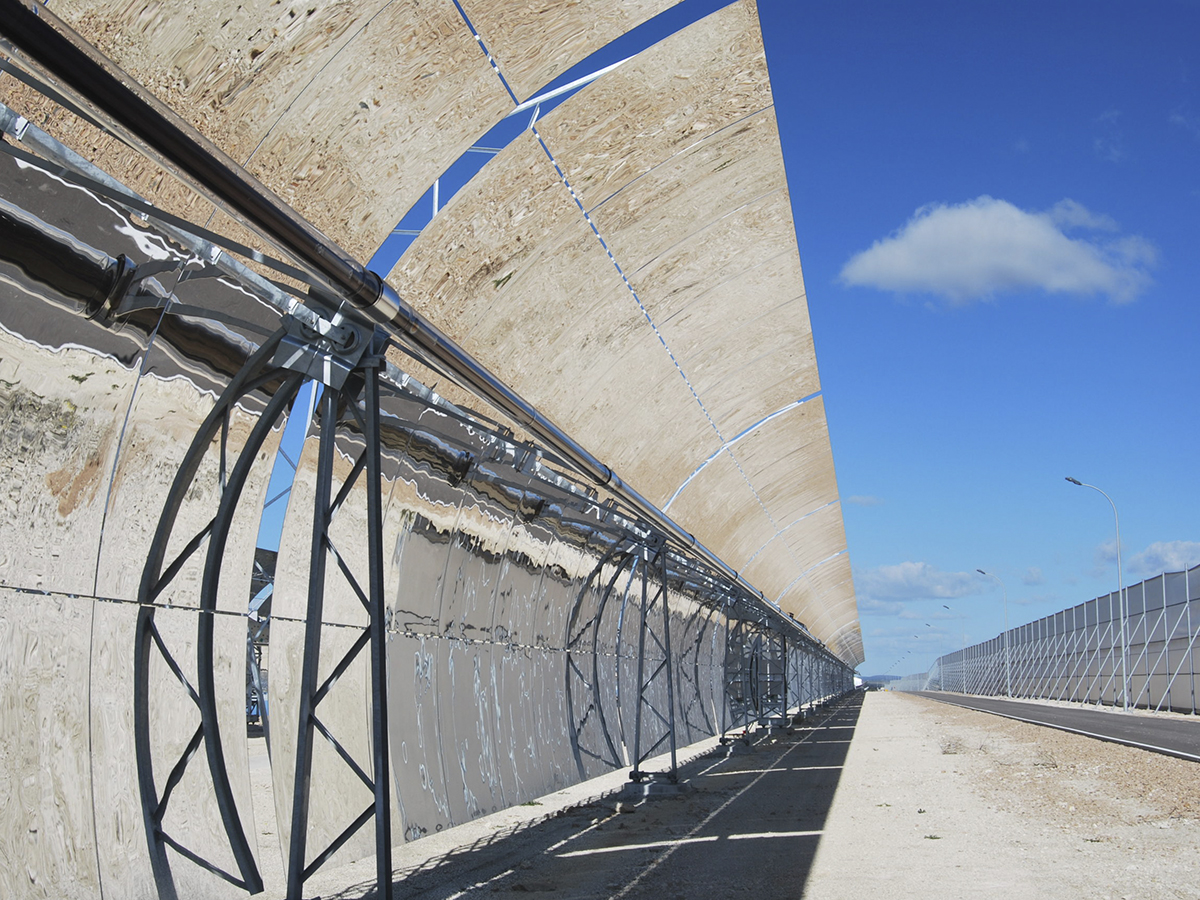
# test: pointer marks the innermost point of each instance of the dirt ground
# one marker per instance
(942, 802)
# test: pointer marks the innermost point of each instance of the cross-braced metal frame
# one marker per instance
(773, 692)
(355, 392)
(654, 558)
(769, 673)
(312, 693)
(156, 796)
(740, 705)
(694, 711)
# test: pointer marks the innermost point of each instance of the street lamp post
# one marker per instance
(1120, 594)
(1007, 656)
(962, 659)
(941, 668)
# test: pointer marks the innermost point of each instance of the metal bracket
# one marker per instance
(328, 358)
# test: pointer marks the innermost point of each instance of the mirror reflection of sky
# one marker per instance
(997, 206)
(451, 181)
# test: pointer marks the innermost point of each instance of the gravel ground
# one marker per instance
(938, 801)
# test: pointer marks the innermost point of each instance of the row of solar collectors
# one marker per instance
(513, 613)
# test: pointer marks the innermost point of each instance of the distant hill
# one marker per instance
(879, 679)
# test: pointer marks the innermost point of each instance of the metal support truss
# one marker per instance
(770, 672)
(654, 559)
(312, 693)
(692, 689)
(773, 690)
(276, 369)
(741, 679)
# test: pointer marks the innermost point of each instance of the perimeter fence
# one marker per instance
(1076, 654)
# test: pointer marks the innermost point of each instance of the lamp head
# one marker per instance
(1074, 481)
(981, 572)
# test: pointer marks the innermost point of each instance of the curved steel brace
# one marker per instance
(154, 580)
(597, 699)
(755, 675)
(573, 639)
(624, 729)
(743, 651)
(696, 699)
(205, 628)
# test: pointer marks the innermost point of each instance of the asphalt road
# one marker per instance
(1167, 734)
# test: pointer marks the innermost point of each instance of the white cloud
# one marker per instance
(1104, 558)
(1187, 122)
(1166, 556)
(912, 581)
(873, 607)
(1109, 148)
(975, 250)
(1069, 214)
(1033, 576)
(1110, 145)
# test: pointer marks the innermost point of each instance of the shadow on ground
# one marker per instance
(749, 819)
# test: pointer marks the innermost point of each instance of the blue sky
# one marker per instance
(997, 207)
